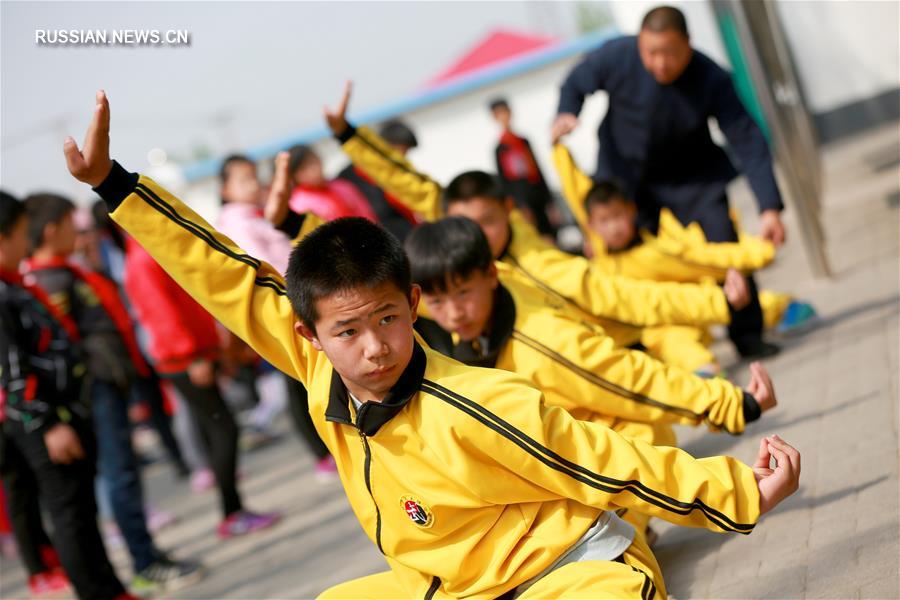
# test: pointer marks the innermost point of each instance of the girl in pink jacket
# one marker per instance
(328, 199)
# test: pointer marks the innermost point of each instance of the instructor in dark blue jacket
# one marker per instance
(655, 139)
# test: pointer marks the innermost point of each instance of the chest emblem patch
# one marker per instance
(417, 511)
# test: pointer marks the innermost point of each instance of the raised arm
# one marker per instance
(689, 245)
(385, 166)
(546, 453)
(631, 301)
(575, 187)
(277, 210)
(247, 296)
(584, 369)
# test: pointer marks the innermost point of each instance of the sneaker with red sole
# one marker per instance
(49, 584)
(243, 522)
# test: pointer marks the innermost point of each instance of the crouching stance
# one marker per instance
(468, 483)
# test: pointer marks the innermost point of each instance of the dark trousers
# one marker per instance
(298, 404)
(711, 213)
(218, 433)
(147, 390)
(67, 492)
(25, 516)
(120, 470)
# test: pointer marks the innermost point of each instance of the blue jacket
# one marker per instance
(655, 137)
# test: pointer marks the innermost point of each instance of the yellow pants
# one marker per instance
(638, 576)
(679, 345)
(773, 306)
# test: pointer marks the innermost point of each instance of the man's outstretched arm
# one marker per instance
(246, 295)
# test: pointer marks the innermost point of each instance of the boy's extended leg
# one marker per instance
(68, 492)
(380, 586)
(635, 575)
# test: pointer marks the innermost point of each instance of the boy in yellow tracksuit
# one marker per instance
(484, 318)
(467, 482)
(621, 306)
(606, 218)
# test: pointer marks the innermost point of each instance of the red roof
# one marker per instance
(497, 47)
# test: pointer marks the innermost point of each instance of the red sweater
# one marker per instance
(180, 330)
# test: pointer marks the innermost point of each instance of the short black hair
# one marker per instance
(665, 18)
(474, 184)
(299, 155)
(398, 133)
(232, 159)
(344, 254)
(445, 251)
(498, 103)
(45, 209)
(605, 192)
(11, 210)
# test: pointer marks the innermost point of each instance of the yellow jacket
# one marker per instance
(618, 304)
(678, 253)
(499, 483)
(579, 368)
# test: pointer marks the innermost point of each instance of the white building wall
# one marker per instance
(845, 51)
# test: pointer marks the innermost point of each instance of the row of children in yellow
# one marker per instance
(534, 477)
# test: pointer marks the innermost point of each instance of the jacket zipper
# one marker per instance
(368, 478)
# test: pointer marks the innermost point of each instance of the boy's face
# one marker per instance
(614, 222)
(310, 173)
(14, 245)
(491, 215)
(61, 237)
(367, 335)
(466, 306)
(241, 184)
(503, 116)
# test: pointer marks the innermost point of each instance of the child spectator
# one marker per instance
(520, 172)
(48, 444)
(313, 193)
(113, 362)
(243, 221)
(184, 345)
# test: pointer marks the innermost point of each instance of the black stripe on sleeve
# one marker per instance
(153, 200)
(601, 382)
(578, 472)
(435, 585)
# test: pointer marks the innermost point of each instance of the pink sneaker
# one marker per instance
(244, 521)
(49, 584)
(326, 469)
(202, 480)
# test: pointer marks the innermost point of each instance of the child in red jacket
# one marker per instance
(184, 344)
